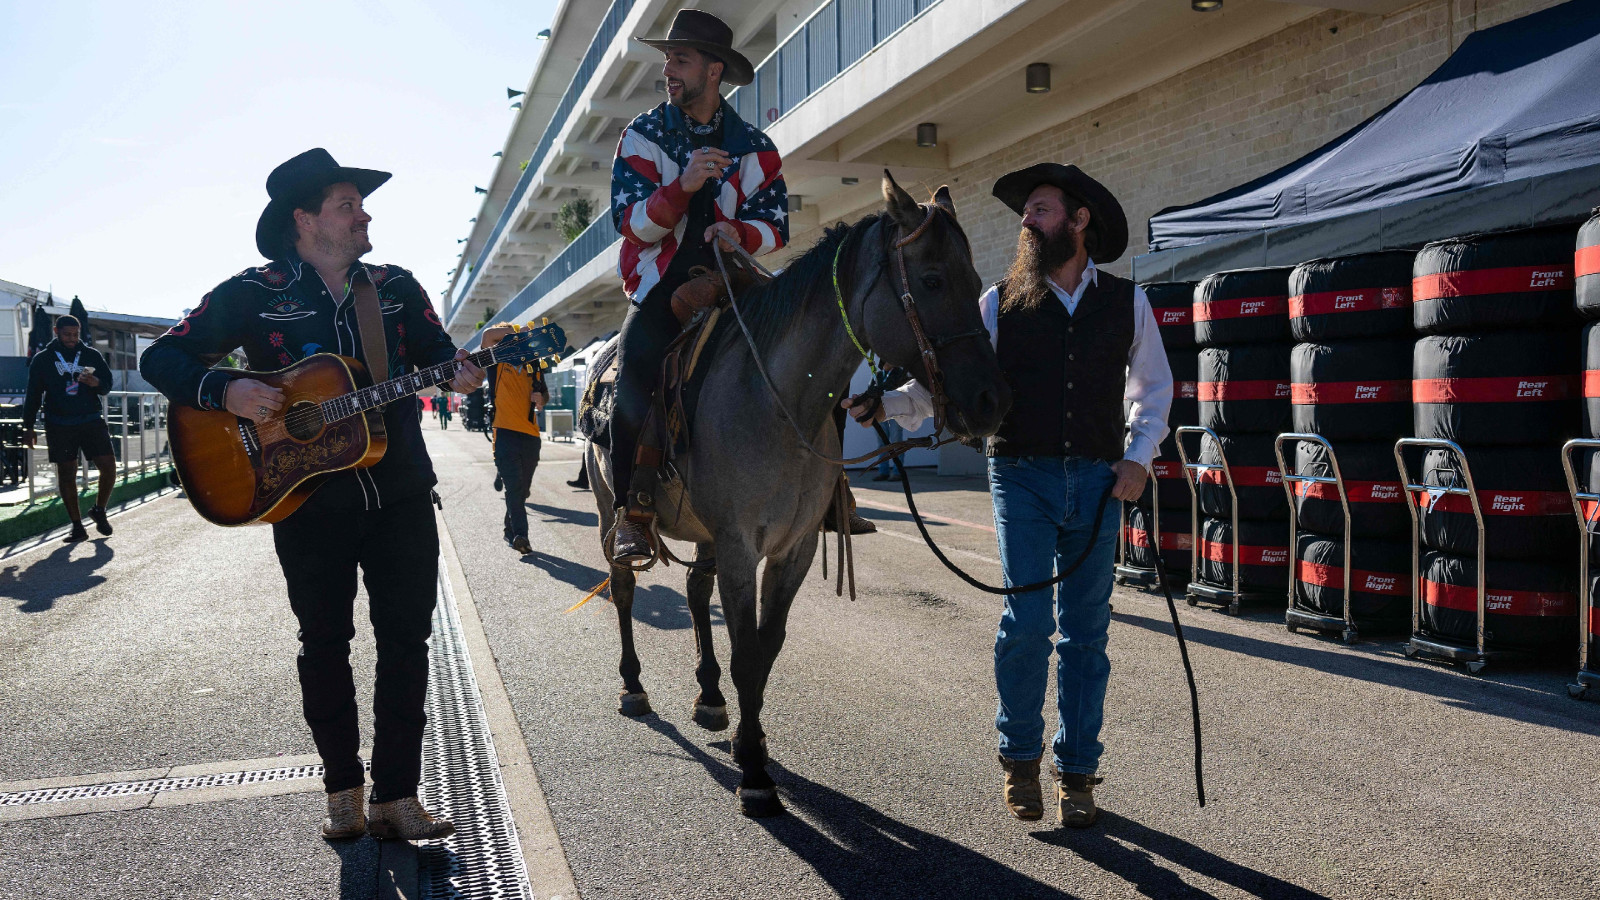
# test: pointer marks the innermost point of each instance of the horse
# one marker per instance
(749, 490)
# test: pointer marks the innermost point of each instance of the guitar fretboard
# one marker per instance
(389, 391)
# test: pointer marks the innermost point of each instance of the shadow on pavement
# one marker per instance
(1535, 705)
(859, 851)
(566, 571)
(1127, 850)
(924, 480)
(662, 607)
(358, 868)
(55, 576)
(555, 514)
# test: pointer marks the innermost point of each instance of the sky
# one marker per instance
(136, 138)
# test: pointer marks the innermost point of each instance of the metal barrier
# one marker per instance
(831, 40)
(1296, 616)
(137, 421)
(1231, 598)
(1587, 677)
(1422, 644)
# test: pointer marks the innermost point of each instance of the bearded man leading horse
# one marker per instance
(748, 489)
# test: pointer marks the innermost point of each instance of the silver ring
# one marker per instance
(262, 410)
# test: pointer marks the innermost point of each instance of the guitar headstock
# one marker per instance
(535, 346)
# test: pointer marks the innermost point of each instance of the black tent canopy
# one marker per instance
(1505, 134)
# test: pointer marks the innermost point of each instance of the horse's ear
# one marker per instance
(902, 207)
(942, 198)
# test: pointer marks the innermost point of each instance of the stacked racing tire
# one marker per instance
(1350, 379)
(1497, 372)
(1241, 325)
(1166, 501)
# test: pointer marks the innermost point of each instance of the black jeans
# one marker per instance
(397, 550)
(647, 331)
(516, 455)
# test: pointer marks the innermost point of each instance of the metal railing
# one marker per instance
(1297, 614)
(838, 34)
(137, 421)
(609, 28)
(600, 235)
(1586, 506)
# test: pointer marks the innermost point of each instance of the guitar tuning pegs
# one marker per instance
(545, 321)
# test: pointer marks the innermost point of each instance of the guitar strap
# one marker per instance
(369, 318)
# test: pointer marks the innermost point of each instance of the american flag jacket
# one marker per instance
(650, 209)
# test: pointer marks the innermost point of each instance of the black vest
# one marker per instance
(1067, 373)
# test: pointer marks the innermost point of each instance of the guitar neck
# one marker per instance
(395, 388)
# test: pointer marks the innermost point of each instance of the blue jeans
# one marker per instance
(1044, 509)
(895, 433)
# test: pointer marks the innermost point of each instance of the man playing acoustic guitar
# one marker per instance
(379, 519)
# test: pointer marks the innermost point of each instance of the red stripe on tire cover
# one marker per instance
(1474, 282)
(1167, 468)
(1364, 300)
(1591, 383)
(1313, 393)
(1594, 618)
(1367, 582)
(1501, 503)
(1215, 391)
(1186, 390)
(1503, 602)
(1170, 540)
(1586, 261)
(1514, 389)
(1242, 308)
(1249, 555)
(1243, 476)
(1175, 316)
(1357, 491)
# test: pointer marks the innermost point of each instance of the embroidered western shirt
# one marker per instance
(281, 313)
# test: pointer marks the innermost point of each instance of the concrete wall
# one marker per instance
(1231, 119)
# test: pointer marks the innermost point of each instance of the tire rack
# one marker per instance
(1427, 646)
(1231, 598)
(1295, 616)
(1587, 677)
(1131, 575)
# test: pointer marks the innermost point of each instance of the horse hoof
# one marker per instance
(634, 705)
(711, 718)
(759, 803)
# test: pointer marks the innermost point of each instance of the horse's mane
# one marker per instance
(771, 309)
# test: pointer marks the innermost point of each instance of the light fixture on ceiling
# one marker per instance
(498, 154)
(547, 225)
(512, 93)
(849, 179)
(927, 135)
(517, 105)
(473, 219)
(543, 35)
(478, 190)
(461, 240)
(1038, 78)
(661, 86)
(796, 203)
(594, 165)
(1205, 5)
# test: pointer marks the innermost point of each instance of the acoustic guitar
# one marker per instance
(237, 472)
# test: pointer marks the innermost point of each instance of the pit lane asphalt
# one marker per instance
(1331, 771)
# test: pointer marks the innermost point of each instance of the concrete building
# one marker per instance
(1164, 103)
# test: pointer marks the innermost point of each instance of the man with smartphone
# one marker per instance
(68, 378)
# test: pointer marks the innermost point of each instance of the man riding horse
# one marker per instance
(687, 172)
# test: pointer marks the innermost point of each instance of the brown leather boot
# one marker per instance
(858, 525)
(631, 542)
(1022, 793)
(1075, 800)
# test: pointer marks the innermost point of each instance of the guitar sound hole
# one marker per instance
(303, 420)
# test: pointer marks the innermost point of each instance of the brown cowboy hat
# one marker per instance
(292, 181)
(1106, 217)
(708, 34)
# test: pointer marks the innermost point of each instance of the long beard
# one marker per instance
(1037, 256)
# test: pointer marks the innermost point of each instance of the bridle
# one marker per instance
(928, 349)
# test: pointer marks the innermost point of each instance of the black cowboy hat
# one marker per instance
(707, 33)
(1106, 217)
(292, 181)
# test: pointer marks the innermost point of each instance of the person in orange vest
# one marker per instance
(517, 397)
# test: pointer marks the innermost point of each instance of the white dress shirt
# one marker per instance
(1147, 397)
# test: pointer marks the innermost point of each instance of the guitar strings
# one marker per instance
(317, 415)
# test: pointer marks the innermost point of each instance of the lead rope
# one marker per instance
(1099, 517)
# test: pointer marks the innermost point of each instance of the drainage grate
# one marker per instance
(156, 785)
(461, 778)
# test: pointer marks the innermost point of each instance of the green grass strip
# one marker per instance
(19, 523)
